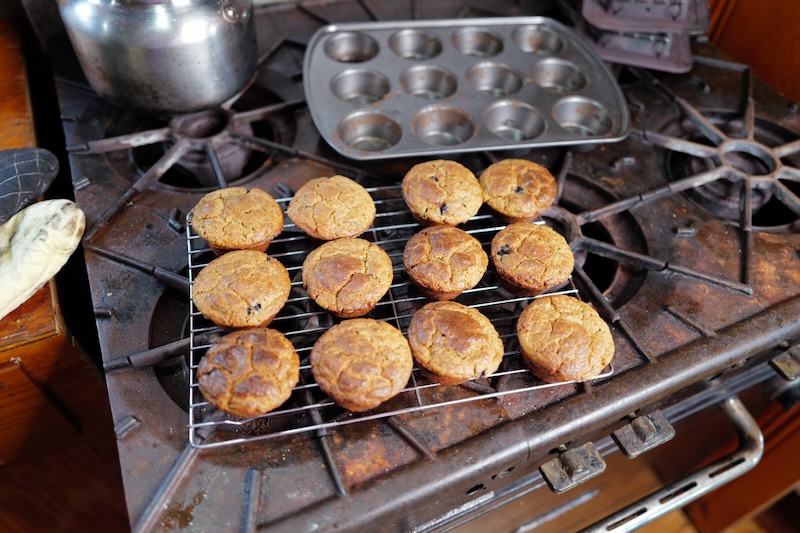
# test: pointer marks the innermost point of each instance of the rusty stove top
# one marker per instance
(685, 233)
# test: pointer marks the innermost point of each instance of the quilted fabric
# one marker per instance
(25, 173)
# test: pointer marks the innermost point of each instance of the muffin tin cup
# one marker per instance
(383, 90)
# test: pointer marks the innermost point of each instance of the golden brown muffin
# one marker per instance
(531, 258)
(347, 276)
(331, 208)
(361, 363)
(444, 261)
(241, 289)
(249, 372)
(564, 339)
(237, 219)
(453, 343)
(442, 192)
(518, 189)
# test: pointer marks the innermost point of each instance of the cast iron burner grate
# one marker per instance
(195, 140)
(739, 164)
(303, 322)
(672, 288)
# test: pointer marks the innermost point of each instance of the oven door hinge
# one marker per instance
(572, 467)
(643, 433)
(787, 364)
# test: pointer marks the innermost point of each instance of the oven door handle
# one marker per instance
(680, 493)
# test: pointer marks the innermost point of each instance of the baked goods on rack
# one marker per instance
(332, 208)
(531, 258)
(453, 343)
(517, 189)
(237, 219)
(361, 363)
(241, 289)
(347, 277)
(442, 192)
(249, 372)
(443, 261)
(564, 339)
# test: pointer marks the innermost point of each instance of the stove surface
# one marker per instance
(685, 236)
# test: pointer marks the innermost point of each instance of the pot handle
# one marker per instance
(678, 494)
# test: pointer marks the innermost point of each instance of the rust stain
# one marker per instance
(181, 517)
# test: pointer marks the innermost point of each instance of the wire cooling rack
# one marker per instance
(302, 321)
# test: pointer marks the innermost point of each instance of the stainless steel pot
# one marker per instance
(172, 56)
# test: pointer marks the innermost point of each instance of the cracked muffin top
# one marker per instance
(347, 276)
(241, 289)
(237, 219)
(444, 261)
(564, 339)
(454, 343)
(361, 363)
(332, 208)
(249, 372)
(442, 192)
(518, 189)
(531, 258)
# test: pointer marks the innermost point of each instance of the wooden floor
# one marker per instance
(64, 489)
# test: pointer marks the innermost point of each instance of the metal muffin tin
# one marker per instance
(420, 88)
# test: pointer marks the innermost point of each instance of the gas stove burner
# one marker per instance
(215, 149)
(736, 159)
(615, 279)
(195, 168)
(231, 157)
(744, 157)
(208, 149)
(201, 125)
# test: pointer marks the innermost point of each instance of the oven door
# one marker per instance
(717, 439)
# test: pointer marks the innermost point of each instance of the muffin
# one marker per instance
(241, 289)
(332, 208)
(531, 258)
(518, 189)
(237, 219)
(564, 339)
(453, 343)
(361, 363)
(442, 192)
(249, 372)
(443, 261)
(347, 276)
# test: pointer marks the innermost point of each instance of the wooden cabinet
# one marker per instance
(49, 391)
(29, 420)
(763, 35)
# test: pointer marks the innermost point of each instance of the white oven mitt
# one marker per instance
(34, 245)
